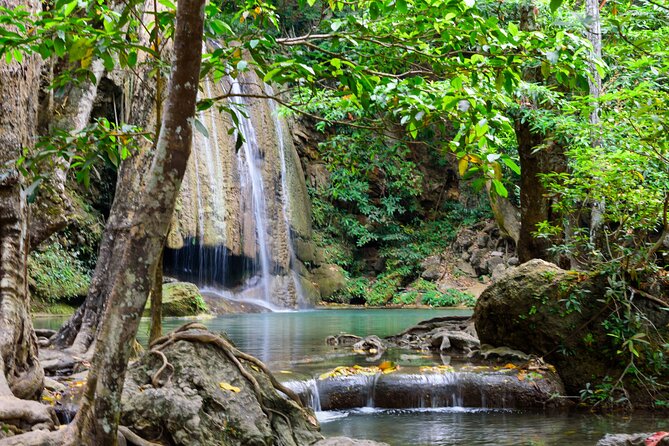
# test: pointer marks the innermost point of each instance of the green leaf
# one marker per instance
(70, 7)
(401, 6)
(555, 4)
(500, 189)
(515, 168)
(199, 126)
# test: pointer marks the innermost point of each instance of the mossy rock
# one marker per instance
(181, 299)
(330, 279)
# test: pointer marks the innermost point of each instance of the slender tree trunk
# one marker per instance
(157, 303)
(20, 373)
(97, 420)
(535, 205)
(595, 86)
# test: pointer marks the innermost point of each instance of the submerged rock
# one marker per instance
(203, 399)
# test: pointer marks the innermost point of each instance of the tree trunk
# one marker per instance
(71, 112)
(157, 303)
(138, 256)
(20, 372)
(535, 205)
(595, 86)
(79, 331)
(537, 156)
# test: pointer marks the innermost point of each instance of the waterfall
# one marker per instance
(250, 162)
(241, 206)
(285, 198)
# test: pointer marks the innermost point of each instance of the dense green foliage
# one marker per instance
(58, 275)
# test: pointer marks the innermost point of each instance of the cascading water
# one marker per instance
(236, 219)
(250, 160)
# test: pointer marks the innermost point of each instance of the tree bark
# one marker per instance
(537, 156)
(594, 34)
(157, 303)
(535, 205)
(97, 419)
(70, 112)
(20, 373)
(78, 333)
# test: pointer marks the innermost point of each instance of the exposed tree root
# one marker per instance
(27, 415)
(134, 438)
(155, 379)
(201, 334)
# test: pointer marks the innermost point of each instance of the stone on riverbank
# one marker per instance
(203, 399)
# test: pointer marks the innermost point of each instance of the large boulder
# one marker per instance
(330, 279)
(204, 397)
(541, 309)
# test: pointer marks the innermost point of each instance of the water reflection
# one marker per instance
(460, 426)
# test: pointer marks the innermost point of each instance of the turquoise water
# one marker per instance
(296, 341)
(457, 426)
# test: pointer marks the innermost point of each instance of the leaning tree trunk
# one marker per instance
(78, 333)
(97, 420)
(138, 252)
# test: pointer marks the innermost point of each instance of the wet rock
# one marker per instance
(220, 305)
(509, 389)
(488, 352)
(205, 400)
(342, 339)
(345, 441)
(371, 344)
(460, 341)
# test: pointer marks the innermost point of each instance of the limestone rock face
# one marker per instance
(242, 208)
(208, 402)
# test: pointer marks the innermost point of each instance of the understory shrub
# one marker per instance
(57, 275)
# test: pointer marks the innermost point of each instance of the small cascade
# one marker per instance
(417, 391)
(307, 391)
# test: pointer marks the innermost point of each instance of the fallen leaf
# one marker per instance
(230, 387)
